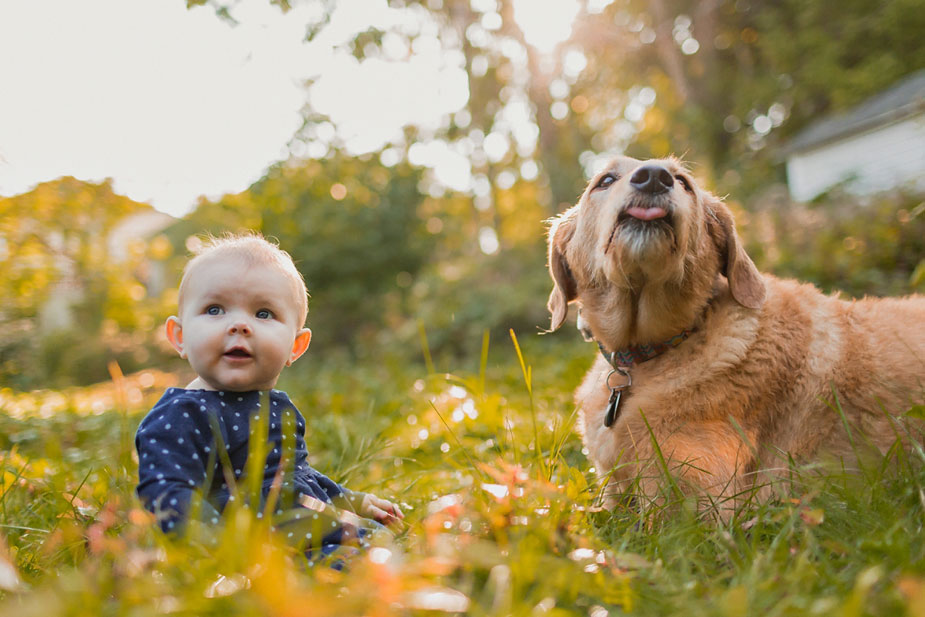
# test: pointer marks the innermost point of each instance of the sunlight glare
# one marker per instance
(545, 23)
(498, 491)
(438, 599)
(379, 555)
(488, 241)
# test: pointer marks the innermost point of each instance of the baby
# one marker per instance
(242, 306)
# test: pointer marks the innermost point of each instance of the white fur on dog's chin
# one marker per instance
(642, 254)
(646, 254)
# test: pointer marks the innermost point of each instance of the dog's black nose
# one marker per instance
(653, 179)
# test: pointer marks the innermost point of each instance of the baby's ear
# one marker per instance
(174, 331)
(302, 339)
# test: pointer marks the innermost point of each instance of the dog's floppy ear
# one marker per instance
(565, 288)
(745, 282)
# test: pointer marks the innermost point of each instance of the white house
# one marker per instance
(875, 146)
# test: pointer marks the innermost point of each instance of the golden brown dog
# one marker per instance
(722, 374)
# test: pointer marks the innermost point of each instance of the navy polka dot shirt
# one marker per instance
(179, 452)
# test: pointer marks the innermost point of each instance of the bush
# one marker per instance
(860, 246)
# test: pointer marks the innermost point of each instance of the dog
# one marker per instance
(714, 379)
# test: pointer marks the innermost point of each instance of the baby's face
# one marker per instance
(239, 324)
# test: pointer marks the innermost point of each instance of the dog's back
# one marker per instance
(856, 364)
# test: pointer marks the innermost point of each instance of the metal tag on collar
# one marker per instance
(616, 395)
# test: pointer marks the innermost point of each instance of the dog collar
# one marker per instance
(637, 354)
(623, 359)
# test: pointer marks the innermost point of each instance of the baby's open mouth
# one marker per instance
(238, 352)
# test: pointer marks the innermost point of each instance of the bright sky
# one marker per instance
(174, 103)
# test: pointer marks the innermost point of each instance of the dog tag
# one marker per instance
(613, 407)
(616, 393)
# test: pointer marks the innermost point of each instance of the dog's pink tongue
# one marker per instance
(647, 214)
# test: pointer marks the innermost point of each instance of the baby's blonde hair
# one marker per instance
(255, 250)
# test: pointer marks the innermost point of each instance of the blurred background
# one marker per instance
(408, 154)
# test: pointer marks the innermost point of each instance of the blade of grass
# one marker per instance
(57, 522)
(836, 405)
(662, 463)
(425, 348)
(18, 475)
(257, 450)
(22, 528)
(458, 442)
(559, 439)
(483, 362)
(126, 442)
(528, 381)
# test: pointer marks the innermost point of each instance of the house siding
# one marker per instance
(876, 160)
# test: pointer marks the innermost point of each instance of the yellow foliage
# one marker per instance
(159, 248)
(136, 392)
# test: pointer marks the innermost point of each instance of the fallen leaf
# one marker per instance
(812, 517)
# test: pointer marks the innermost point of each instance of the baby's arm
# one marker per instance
(174, 445)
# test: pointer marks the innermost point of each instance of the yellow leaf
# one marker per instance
(813, 517)
(917, 278)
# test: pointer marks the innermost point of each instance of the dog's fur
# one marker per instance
(774, 372)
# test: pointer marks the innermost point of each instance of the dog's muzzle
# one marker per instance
(584, 327)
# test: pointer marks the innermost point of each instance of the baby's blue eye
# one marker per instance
(214, 310)
(264, 314)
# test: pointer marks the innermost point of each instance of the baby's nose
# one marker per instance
(239, 327)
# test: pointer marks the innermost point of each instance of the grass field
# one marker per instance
(501, 505)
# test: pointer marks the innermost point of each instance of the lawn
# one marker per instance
(501, 504)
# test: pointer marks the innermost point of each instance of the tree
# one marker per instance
(722, 82)
(355, 228)
(66, 295)
(733, 80)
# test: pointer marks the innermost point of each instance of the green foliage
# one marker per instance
(353, 228)
(497, 293)
(387, 251)
(72, 300)
(872, 246)
(502, 507)
(717, 66)
(838, 55)
(502, 518)
(669, 76)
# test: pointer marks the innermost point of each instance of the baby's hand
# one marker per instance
(381, 510)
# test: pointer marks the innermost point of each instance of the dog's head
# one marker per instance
(645, 237)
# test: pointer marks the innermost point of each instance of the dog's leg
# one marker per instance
(709, 461)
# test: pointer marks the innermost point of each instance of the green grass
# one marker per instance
(502, 517)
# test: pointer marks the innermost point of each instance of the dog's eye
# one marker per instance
(605, 181)
(685, 183)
